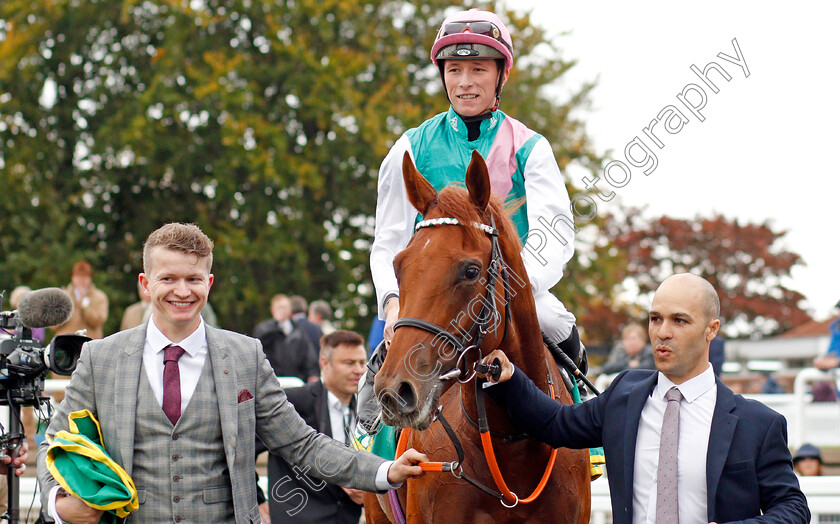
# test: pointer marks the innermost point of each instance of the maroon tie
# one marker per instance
(172, 383)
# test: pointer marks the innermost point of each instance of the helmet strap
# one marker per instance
(499, 87)
(443, 79)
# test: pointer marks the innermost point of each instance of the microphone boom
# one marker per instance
(45, 308)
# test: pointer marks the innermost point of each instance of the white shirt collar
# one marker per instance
(192, 344)
(335, 403)
(691, 389)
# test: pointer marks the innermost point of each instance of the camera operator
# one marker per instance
(24, 363)
(18, 462)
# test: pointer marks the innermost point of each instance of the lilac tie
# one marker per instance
(172, 383)
(667, 503)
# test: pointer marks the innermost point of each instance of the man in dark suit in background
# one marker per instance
(286, 346)
(300, 309)
(327, 406)
(728, 460)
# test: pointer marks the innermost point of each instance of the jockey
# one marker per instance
(474, 52)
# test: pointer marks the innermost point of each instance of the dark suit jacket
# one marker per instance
(748, 466)
(327, 505)
(289, 355)
(312, 331)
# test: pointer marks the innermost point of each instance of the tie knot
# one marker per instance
(673, 394)
(173, 353)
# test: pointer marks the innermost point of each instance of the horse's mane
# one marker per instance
(454, 202)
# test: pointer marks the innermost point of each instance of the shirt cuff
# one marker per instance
(51, 511)
(381, 482)
(388, 296)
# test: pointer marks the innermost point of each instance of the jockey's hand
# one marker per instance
(507, 366)
(392, 313)
(406, 466)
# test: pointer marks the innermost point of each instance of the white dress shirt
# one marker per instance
(189, 365)
(696, 409)
(339, 416)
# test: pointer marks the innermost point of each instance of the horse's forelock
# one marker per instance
(454, 202)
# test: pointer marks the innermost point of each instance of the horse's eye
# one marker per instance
(472, 273)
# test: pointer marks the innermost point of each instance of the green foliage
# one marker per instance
(264, 122)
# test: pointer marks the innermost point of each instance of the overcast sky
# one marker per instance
(765, 149)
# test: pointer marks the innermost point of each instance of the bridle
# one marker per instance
(472, 339)
(489, 313)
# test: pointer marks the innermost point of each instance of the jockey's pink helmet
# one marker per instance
(473, 27)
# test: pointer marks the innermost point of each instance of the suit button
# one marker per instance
(177, 498)
(175, 457)
(176, 478)
(175, 436)
(177, 518)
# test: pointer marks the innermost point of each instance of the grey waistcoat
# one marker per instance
(180, 472)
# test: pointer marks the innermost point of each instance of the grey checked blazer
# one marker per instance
(106, 382)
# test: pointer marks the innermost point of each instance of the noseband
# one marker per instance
(472, 338)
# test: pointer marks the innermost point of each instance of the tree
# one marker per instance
(744, 262)
(263, 121)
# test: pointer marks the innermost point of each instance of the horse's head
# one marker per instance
(443, 276)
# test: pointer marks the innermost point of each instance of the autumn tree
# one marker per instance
(264, 121)
(744, 262)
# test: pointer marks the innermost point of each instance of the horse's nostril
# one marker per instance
(407, 399)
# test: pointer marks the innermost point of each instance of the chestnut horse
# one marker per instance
(456, 304)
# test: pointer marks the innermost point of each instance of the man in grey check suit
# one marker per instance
(188, 444)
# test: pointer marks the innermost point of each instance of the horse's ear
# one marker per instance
(421, 194)
(478, 181)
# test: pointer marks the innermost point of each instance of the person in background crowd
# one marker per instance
(326, 405)
(376, 333)
(90, 305)
(320, 314)
(808, 461)
(680, 446)
(286, 346)
(28, 415)
(633, 352)
(313, 331)
(832, 357)
(135, 314)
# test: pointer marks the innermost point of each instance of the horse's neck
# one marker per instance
(525, 347)
(527, 352)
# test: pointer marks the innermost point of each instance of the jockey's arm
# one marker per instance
(551, 237)
(394, 223)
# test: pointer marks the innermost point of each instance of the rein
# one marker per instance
(508, 498)
(473, 339)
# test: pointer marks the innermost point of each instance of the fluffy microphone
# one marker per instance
(45, 308)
